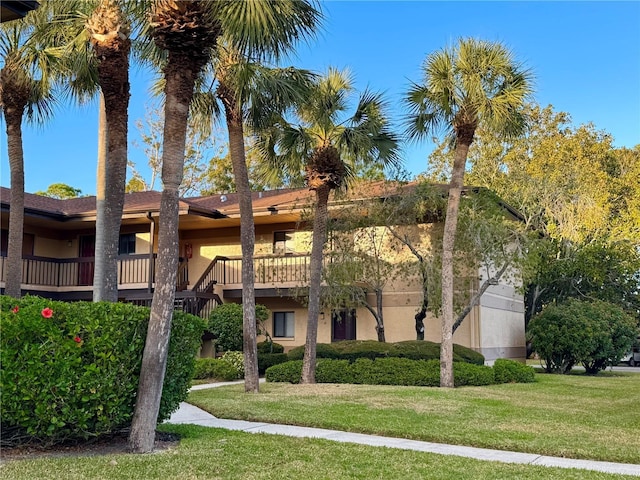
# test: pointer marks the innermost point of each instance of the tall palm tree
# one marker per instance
(473, 83)
(326, 146)
(251, 93)
(109, 32)
(26, 82)
(188, 31)
(95, 35)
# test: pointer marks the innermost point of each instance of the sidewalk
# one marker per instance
(193, 415)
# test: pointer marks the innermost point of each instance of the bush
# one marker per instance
(511, 371)
(266, 360)
(270, 347)
(323, 350)
(288, 372)
(383, 371)
(236, 361)
(596, 334)
(225, 323)
(354, 349)
(396, 371)
(71, 370)
(413, 349)
(332, 371)
(425, 350)
(471, 374)
(214, 368)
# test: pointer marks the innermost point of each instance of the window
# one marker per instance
(283, 243)
(127, 245)
(283, 324)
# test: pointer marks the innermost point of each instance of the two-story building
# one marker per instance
(58, 251)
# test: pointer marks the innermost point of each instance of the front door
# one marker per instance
(343, 325)
(85, 267)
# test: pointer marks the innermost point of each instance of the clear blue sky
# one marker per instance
(585, 57)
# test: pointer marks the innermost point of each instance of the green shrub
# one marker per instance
(270, 347)
(71, 370)
(323, 350)
(225, 323)
(288, 372)
(396, 371)
(511, 371)
(266, 360)
(354, 349)
(412, 349)
(425, 350)
(332, 371)
(215, 368)
(596, 334)
(471, 374)
(235, 360)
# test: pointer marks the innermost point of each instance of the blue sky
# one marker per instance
(585, 57)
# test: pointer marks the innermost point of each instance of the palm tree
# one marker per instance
(326, 147)
(26, 84)
(251, 93)
(188, 31)
(95, 36)
(474, 83)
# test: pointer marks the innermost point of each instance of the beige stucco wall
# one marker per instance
(54, 248)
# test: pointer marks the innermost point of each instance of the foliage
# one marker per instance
(323, 350)
(70, 370)
(269, 347)
(200, 147)
(266, 360)
(512, 371)
(214, 368)
(383, 371)
(61, 191)
(225, 323)
(236, 360)
(412, 349)
(571, 184)
(596, 334)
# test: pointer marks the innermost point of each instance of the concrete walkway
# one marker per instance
(193, 415)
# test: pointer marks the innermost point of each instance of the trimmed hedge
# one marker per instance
(383, 371)
(71, 370)
(270, 347)
(266, 360)
(511, 371)
(214, 368)
(372, 349)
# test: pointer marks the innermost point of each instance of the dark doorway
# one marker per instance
(343, 325)
(88, 252)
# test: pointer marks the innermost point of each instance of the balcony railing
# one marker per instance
(269, 270)
(134, 271)
(78, 272)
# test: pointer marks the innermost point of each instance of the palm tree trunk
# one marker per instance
(315, 278)
(448, 240)
(247, 240)
(99, 265)
(180, 74)
(113, 72)
(13, 117)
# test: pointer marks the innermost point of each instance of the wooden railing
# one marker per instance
(76, 272)
(268, 269)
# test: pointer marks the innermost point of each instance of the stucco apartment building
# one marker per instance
(59, 237)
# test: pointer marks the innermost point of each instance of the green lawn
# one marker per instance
(206, 453)
(574, 416)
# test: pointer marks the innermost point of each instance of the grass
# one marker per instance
(207, 453)
(575, 416)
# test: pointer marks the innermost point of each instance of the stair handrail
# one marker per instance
(203, 278)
